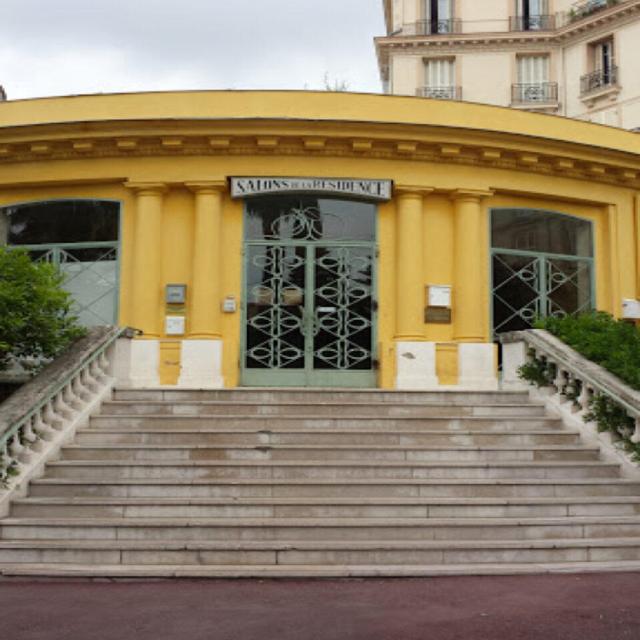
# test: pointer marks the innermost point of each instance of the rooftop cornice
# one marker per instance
(508, 39)
(424, 143)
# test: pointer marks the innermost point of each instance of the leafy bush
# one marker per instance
(613, 344)
(36, 320)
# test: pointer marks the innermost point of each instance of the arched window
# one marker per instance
(542, 265)
(81, 238)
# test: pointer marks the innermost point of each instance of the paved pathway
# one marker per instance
(591, 607)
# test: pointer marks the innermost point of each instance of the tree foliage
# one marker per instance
(36, 320)
(613, 344)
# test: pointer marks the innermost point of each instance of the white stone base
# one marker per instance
(416, 366)
(477, 366)
(137, 364)
(514, 355)
(201, 364)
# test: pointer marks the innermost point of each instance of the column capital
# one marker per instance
(405, 190)
(147, 188)
(472, 195)
(207, 186)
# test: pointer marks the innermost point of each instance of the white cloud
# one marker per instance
(68, 46)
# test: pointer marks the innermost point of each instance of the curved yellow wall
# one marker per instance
(152, 152)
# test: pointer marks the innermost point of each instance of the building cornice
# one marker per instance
(428, 144)
(591, 26)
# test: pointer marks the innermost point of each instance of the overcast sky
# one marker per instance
(62, 47)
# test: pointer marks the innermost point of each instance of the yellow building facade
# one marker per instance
(318, 239)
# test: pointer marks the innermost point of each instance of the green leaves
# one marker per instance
(36, 319)
(613, 344)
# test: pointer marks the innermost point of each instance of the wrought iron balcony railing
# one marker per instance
(538, 93)
(532, 23)
(441, 93)
(601, 79)
(585, 8)
(437, 27)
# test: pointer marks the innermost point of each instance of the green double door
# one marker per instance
(309, 307)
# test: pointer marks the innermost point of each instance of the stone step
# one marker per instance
(186, 453)
(354, 488)
(327, 553)
(133, 422)
(345, 409)
(233, 437)
(320, 396)
(318, 529)
(412, 570)
(160, 507)
(346, 470)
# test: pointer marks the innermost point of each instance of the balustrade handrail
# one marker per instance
(588, 372)
(36, 394)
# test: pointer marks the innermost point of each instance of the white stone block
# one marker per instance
(477, 366)
(201, 364)
(514, 355)
(144, 370)
(416, 366)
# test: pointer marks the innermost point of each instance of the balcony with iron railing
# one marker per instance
(440, 93)
(585, 8)
(532, 94)
(599, 80)
(532, 23)
(434, 27)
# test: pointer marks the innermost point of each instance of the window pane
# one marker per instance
(62, 221)
(309, 218)
(542, 231)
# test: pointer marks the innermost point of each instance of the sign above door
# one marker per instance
(376, 190)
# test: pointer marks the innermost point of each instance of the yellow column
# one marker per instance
(469, 270)
(147, 258)
(410, 293)
(207, 263)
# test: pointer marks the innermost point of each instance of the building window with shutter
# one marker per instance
(534, 85)
(532, 15)
(603, 70)
(438, 17)
(440, 80)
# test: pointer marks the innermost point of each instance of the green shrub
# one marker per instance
(613, 344)
(36, 320)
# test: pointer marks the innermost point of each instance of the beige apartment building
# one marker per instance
(576, 59)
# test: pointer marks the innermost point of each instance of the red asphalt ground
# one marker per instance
(561, 607)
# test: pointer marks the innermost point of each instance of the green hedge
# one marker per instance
(613, 344)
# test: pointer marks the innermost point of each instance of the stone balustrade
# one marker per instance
(572, 382)
(45, 413)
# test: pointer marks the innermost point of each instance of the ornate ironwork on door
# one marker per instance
(555, 280)
(309, 292)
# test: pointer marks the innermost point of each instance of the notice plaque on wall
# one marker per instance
(377, 190)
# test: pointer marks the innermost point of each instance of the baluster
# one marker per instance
(560, 382)
(88, 380)
(52, 416)
(635, 438)
(584, 398)
(70, 398)
(105, 367)
(97, 374)
(30, 436)
(61, 407)
(43, 428)
(5, 462)
(16, 449)
(79, 390)
(574, 385)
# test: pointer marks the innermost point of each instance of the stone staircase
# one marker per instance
(323, 483)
